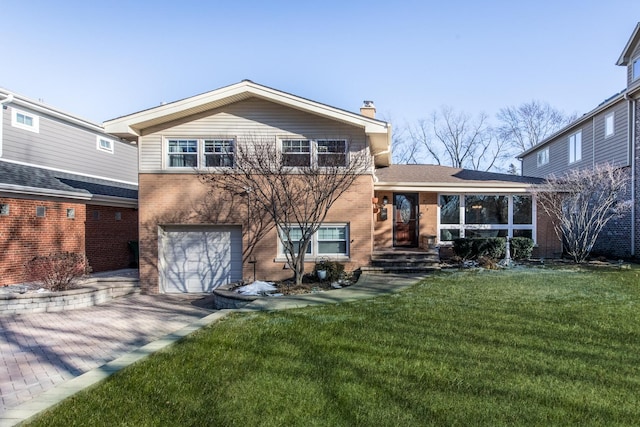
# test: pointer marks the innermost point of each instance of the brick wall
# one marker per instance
(24, 235)
(108, 232)
(183, 199)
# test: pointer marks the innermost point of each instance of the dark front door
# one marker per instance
(405, 220)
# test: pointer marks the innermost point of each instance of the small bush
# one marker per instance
(491, 247)
(58, 271)
(521, 247)
(334, 269)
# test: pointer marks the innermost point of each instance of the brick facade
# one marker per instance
(24, 235)
(108, 233)
(169, 199)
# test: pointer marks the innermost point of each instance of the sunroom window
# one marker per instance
(485, 215)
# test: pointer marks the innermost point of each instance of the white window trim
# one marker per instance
(610, 116)
(101, 148)
(635, 69)
(200, 154)
(462, 226)
(35, 127)
(545, 157)
(313, 148)
(575, 151)
(314, 256)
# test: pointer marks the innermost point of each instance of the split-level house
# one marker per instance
(193, 239)
(65, 185)
(606, 134)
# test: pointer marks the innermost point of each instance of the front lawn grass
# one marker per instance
(519, 347)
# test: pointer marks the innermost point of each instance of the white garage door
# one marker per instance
(199, 258)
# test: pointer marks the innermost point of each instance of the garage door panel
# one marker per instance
(200, 259)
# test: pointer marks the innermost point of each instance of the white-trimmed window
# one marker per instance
(485, 215)
(332, 152)
(296, 152)
(104, 144)
(636, 69)
(575, 147)
(23, 120)
(330, 241)
(609, 124)
(200, 153)
(543, 157)
(183, 153)
(218, 152)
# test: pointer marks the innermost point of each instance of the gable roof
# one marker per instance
(625, 56)
(444, 178)
(131, 126)
(17, 178)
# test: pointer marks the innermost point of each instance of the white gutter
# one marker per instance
(35, 191)
(52, 112)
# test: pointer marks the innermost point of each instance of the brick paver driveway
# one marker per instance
(40, 351)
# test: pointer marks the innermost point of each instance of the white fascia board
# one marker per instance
(127, 124)
(453, 188)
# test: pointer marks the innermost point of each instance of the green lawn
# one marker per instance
(519, 347)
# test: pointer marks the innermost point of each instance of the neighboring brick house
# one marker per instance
(606, 134)
(65, 185)
(193, 241)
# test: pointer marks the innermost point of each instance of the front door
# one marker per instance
(405, 219)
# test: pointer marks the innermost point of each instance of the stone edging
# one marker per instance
(93, 291)
(223, 298)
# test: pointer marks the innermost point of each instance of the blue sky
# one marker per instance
(101, 60)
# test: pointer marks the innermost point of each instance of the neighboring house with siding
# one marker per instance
(193, 240)
(65, 185)
(606, 134)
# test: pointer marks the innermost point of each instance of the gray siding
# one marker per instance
(69, 147)
(634, 55)
(596, 148)
(250, 119)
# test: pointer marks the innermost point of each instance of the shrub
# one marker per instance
(521, 247)
(57, 271)
(334, 269)
(491, 247)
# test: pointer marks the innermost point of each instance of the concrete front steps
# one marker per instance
(397, 260)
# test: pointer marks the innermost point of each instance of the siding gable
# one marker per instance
(252, 118)
(65, 146)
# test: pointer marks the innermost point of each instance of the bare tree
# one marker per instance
(406, 150)
(457, 139)
(526, 125)
(290, 189)
(581, 203)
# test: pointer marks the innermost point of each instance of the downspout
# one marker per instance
(632, 144)
(6, 100)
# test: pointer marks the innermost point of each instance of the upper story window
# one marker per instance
(543, 157)
(200, 153)
(609, 128)
(320, 152)
(218, 152)
(575, 147)
(636, 68)
(296, 152)
(24, 120)
(332, 152)
(104, 144)
(183, 153)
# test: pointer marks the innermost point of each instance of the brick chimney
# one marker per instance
(368, 109)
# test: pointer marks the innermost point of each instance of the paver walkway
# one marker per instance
(40, 351)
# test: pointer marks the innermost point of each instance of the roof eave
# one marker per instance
(625, 56)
